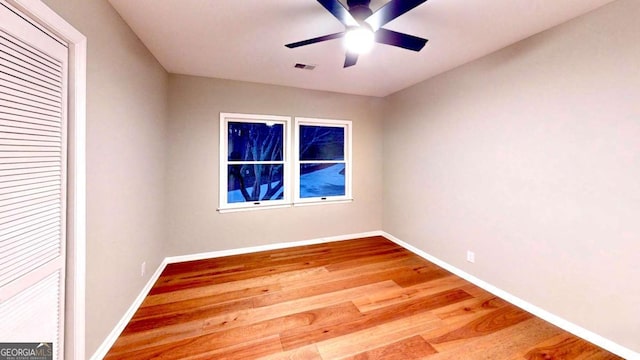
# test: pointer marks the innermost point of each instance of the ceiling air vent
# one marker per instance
(304, 66)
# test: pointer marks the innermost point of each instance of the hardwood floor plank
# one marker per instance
(373, 301)
(489, 323)
(392, 254)
(449, 325)
(309, 352)
(565, 346)
(377, 336)
(469, 309)
(503, 344)
(414, 347)
(239, 351)
(360, 299)
(419, 275)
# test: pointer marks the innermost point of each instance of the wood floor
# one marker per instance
(358, 299)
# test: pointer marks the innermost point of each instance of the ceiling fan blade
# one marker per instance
(338, 10)
(315, 40)
(390, 11)
(404, 41)
(351, 59)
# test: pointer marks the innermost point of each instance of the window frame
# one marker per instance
(348, 130)
(225, 119)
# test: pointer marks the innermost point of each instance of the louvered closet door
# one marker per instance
(32, 181)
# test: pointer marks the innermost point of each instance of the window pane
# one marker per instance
(321, 143)
(255, 141)
(245, 186)
(320, 180)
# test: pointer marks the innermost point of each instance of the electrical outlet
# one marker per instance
(143, 268)
(471, 256)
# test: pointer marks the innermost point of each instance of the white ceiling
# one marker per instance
(244, 39)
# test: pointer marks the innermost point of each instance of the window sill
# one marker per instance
(323, 202)
(266, 207)
(253, 208)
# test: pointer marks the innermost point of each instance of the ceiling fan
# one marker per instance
(363, 27)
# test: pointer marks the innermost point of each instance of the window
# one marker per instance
(323, 160)
(254, 168)
(256, 164)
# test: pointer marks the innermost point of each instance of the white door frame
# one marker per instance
(74, 329)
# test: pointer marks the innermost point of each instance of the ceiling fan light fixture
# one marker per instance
(359, 40)
(363, 27)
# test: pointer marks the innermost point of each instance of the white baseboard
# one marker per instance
(535, 310)
(253, 249)
(539, 312)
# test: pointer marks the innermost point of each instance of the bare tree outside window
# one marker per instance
(256, 161)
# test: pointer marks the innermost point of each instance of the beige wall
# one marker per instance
(192, 180)
(527, 157)
(126, 124)
(530, 157)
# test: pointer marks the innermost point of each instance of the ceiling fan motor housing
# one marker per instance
(359, 9)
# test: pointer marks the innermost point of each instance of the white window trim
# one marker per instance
(291, 172)
(224, 206)
(347, 197)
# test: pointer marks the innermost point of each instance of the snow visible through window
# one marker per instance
(321, 156)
